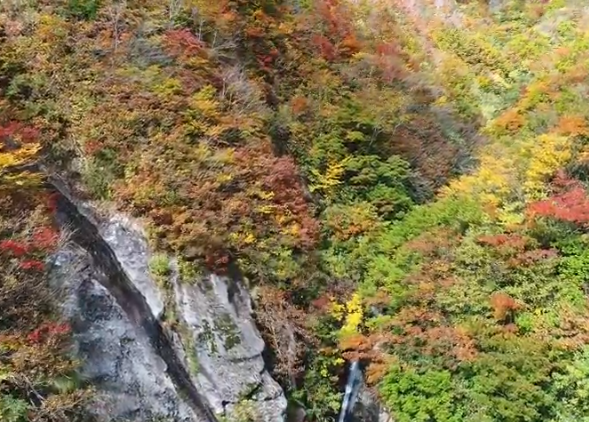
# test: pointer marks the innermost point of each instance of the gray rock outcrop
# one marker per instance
(368, 408)
(131, 379)
(204, 363)
(227, 347)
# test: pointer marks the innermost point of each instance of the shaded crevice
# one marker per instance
(116, 281)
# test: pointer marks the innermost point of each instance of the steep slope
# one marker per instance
(212, 356)
(209, 121)
(403, 182)
(478, 301)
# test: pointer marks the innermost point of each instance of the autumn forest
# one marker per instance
(405, 182)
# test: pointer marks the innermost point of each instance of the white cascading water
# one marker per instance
(351, 393)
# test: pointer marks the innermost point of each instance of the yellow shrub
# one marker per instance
(16, 158)
(549, 153)
(354, 315)
(490, 184)
(330, 179)
(337, 310)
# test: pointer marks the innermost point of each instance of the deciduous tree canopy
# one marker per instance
(405, 181)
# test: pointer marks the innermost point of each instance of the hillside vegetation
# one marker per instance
(405, 184)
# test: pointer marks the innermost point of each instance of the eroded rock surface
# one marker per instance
(131, 380)
(224, 348)
(227, 346)
(215, 340)
(126, 240)
(368, 408)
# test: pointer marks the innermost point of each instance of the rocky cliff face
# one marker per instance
(368, 408)
(204, 362)
(117, 356)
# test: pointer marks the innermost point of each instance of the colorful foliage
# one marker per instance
(37, 373)
(390, 177)
(570, 203)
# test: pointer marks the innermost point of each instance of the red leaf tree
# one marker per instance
(569, 202)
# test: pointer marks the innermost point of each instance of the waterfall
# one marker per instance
(351, 393)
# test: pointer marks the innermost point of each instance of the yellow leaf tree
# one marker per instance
(11, 177)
